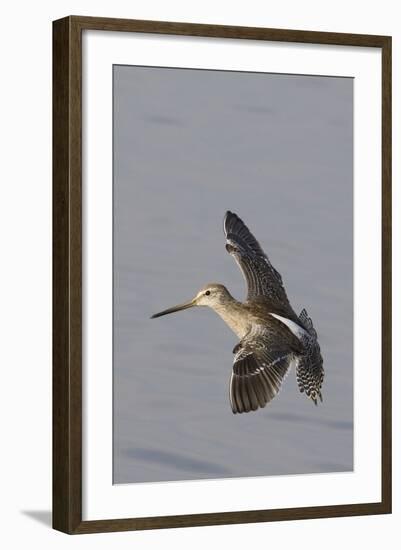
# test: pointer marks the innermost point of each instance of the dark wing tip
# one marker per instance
(233, 223)
(235, 229)
(229, 218)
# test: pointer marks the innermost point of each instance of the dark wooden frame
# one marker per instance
(67, 282)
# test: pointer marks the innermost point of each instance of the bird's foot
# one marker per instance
(237, 347)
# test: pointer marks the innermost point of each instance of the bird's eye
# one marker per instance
(207, 293)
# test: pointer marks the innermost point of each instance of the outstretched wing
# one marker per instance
(309, 371)
(261, 277)
(260, 366)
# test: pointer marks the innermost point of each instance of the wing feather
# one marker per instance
(258, 372)
(262, 279)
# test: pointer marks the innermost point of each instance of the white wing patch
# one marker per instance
(297, 330)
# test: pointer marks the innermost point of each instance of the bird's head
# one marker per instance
(211, 295)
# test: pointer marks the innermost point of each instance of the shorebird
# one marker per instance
(272, 337)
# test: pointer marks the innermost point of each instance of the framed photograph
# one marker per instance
(245, 175)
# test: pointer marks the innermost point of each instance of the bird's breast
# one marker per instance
(237, 319)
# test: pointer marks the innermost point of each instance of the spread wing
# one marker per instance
(261, 277)
(260, 366)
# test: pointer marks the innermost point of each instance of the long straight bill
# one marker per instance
(180, 307)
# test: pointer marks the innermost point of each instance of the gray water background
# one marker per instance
(277, 150)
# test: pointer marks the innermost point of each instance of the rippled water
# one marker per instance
(277, 150)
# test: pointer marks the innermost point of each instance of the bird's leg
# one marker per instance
(237, 347)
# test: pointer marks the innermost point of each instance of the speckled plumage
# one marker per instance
(272, 337)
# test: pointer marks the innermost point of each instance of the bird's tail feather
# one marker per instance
(309, 370)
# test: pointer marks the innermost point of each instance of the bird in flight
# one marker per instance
(272, 337)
